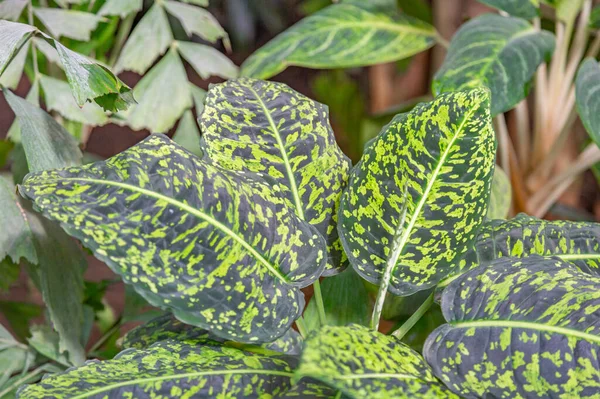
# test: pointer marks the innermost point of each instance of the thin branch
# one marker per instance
(412, 320)
(320, 304)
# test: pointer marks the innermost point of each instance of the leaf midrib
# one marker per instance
(179, 376)
(186, 208)
(528, 325)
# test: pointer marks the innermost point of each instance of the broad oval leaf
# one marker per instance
(527, 9)
(501, 195)
(342, 36)
(365, 364)
(177, 369)
(587, 94)
(501, 53)
(420, 192)
(219, 249)
(258, 126)
(520, 328)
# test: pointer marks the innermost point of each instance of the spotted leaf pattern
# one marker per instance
(501, 53)
(420, 192)
(527, 9)
(220, 249)
(520, 328)
(258, 126)
(342, 35)
(362, 363)
(173, 369)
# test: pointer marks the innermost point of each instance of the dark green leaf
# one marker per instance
(18, 315)
(207, 61)
(366, 364)
(73, 24)
(258, 126)
(12, 36)
(9, 272)
(197, 21)
(187, 134)
(121, 8)
(519, 328)
(342, 36)
(587, 93)
(501, 196)
(527, 9)
(16, 240)
(189, 236)
(501, 53)
(420, 192)
(595, 18)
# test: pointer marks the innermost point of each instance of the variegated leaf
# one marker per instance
(501, 53)
(501, 196)
(258, 126)
(527, 9)
(365, 364)
(420, 192)
(177, 370)
(220, 249)
(520, 328)
(342, 36)
(587, 86)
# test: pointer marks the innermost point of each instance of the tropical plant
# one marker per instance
(225, 238)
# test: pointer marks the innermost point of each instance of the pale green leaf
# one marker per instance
(148, 41)
(13, 72)
(199, 96)
(202, 3)
(48, 51)
(501, 196)
(501, 53)
(73, 24)
(207, 61)
(342, 36)
(121, 8)
(365, 364)
(33, 96)
(258, 126)
(420, 192)
(187, 134)
(527, 9)
(46, 342)
(196, 21)
(587, 94)
(151, 214)
(14, 356)
(13, 36)
(12, 9)
(16, 240)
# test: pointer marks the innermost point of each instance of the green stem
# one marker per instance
(21, 381)
(320, 303)
(412, 320)
(301, 324)
(105, 336)
(122, 35)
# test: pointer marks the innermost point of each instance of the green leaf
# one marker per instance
(207, 61)
(266, 127)
(187, 134)
(189, 236)
(16, 240)
(14, 356)
(595, 18)
(524, 328)
(174, 369)
(342, 36)
(202, 3)
(47, 145)
(46, 342)
(587, 85)
(13, 72)
(501, 195)
(420, 192)
(148, 41)
(19, 315)
(14, 132)
(366, 364)
(73, 24)
(58, 97)
(121, 8)
(199, 96)
(527, 9)
(501, 53)
(9, 271)
(346, 301)
(12, 9)
(13, 36)
(197, 21)
(163, 95)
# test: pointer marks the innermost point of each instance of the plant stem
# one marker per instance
(22, 380)
(98, 344)
(523, 139)
(122, 35)
(412, 320)
(442, 41)
(320, 303)
(594, 47)
(301, 324)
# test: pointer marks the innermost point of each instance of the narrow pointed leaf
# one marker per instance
(73, 24)
(207, 61)
(342, 35)
(365, 364)
(16, 240)
(189, 236)
(527, 9)
(267, 127)
(148, 41)
(187, 134)
(501, 53)
(14, 71)
(121, 8)
(501, 195)
(173, 369)
(196, 21)
(420, 192)
(14, 132)
(12, 36)
(12, 9)
(587, 94)
(520, 328)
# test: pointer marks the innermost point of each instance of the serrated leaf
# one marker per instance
(163, 95)
(13, 36)
(267, 127)
(366, 364)
(173, 369)
(187, 134)
(148, 41)
(121, 8)
(151, 214)
(73, 24)
(58, 97)
(207, 61)
(12, 9)
(527, 9)
(420, 192)
(342, 35)
(13, 72)
(587, 85)
(501, 53)
(501, 196)
(196, 21)
(16, 240)
(519, 328)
